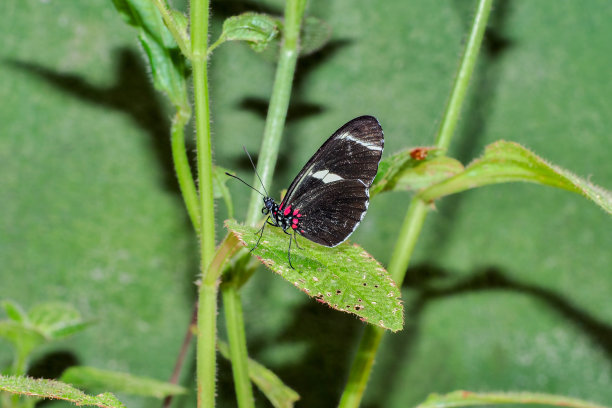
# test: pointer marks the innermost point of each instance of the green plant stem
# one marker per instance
(214, 45)
(275, 122)
(279, 103)
(179, 35)
(409, 234)
(207, 297)
(181, 166)
(207, 302)
(417, 211)
(462, 80)
(237, 345)
(20, 363)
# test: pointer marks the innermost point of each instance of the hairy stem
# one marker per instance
(237, 345)
(417, 211)
(207, 296)
(181, 166)
(279, 103)
(179, 35)
(275, 122)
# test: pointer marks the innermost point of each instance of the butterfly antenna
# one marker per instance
(255, 168)
(238, 178)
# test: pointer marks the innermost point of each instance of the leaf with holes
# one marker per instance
(504, 162)
(408, 171)
(346, 277)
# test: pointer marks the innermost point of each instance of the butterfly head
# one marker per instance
(269, 205)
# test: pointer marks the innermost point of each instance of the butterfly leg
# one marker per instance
(295, 239)
(260, 232)
(289, 253)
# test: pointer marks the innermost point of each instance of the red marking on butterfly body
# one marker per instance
(287, 210)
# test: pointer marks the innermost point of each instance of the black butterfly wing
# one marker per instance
(331, 192)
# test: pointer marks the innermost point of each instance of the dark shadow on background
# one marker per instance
(330, 336)
(132, 94)
(299, 108)
(429, 284)
(51, 366)
(229, 8)
(296, 112)
(471, 130)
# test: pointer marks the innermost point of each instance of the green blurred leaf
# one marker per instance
(220, 189)
(279, 394)
(24, 339)
(56, 390)
(469, 399)
(314, 35)
(165, 59)
(255, 28)
(56, 320)
(90, 377)
(402, 172)
(346, 278)
(44, 322)
(14, 311)
(180, 19)
(504, 162)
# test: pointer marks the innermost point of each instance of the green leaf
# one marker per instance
(314, 35)
(255, 28)
(504, 162)
(346, 278)
(279, 394)
(56, 390)
(23, 338)
(90, 377)
(402, 172)
(14, 311)
(468, 399)
(220, 189)
(166, 62)
(181, 20)
(56, 320)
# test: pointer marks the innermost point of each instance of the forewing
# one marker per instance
(351, 153)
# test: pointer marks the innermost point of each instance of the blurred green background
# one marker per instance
(509, 287)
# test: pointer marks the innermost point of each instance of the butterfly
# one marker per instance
(330, 195)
